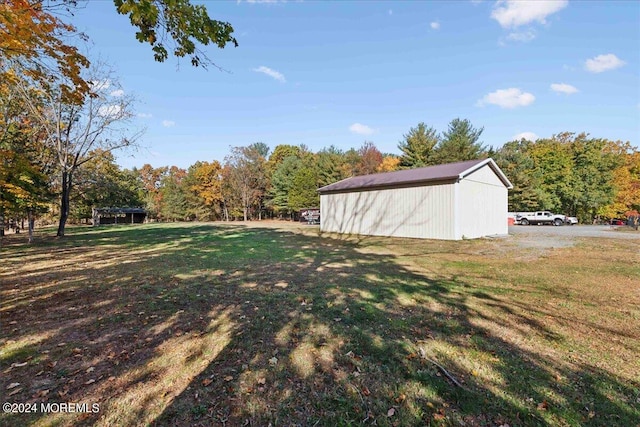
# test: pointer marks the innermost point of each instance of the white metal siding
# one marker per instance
(482, 205)
(422, 212)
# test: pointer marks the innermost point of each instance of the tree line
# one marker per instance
(254, 182)
(567, 173)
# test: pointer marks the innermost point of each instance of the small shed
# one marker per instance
(451, 201)
(102, 216)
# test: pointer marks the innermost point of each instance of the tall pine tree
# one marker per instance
(417, 147)
(460, 143)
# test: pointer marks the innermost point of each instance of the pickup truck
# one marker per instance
(540, 217)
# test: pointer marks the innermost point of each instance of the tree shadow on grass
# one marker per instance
(229, 325)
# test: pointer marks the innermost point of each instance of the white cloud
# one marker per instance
(529, 136)
(522, 36)
(515, 13)
(168, 123)
(564, 88)
(271, 73)
(109, 110)
(361, 129)
(117, 93)
(507, 98)
(603, 63)
(145, 115)
(435, 25)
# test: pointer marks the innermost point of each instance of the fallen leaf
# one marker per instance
(206, 381)
(16, 391)
(273, 361)
(365, 391)
(91, 381)
(262, 381)
(391, 412)
(401, 398)
(19, 365)
(90, 369)
(542, 406)
(12, 385)
(228, 378)
(41, 393)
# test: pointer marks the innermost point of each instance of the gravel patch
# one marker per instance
(548, 237)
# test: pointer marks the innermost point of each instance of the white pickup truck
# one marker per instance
(540, 217)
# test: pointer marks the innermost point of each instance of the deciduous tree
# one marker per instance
(75, 131)
(247, 175)
(174, 195)
(389, 163)
(370, 158)
(100, 182)
(204, 183)
(177, 27)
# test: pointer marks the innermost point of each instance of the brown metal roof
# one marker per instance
(445, 172)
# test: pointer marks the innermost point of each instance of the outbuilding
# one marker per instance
(102, 216)
(453, 201)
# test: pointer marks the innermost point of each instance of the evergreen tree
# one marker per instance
(304, 191)
(460, 143)
(418, 147)
(282, 182)
(330, 163)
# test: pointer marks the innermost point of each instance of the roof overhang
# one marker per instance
(493, 166)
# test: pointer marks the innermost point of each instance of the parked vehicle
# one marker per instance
(540, 218)
(570, 220)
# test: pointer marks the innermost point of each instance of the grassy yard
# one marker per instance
(213, 324)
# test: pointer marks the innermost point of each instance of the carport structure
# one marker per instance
(102, 216)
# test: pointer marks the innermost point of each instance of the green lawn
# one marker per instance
(214, 324)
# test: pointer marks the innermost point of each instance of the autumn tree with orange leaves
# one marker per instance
(66, 103)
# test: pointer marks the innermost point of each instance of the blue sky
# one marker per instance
(324, 73)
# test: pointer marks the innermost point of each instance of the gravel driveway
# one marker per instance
(547, 236)
(573, 231)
